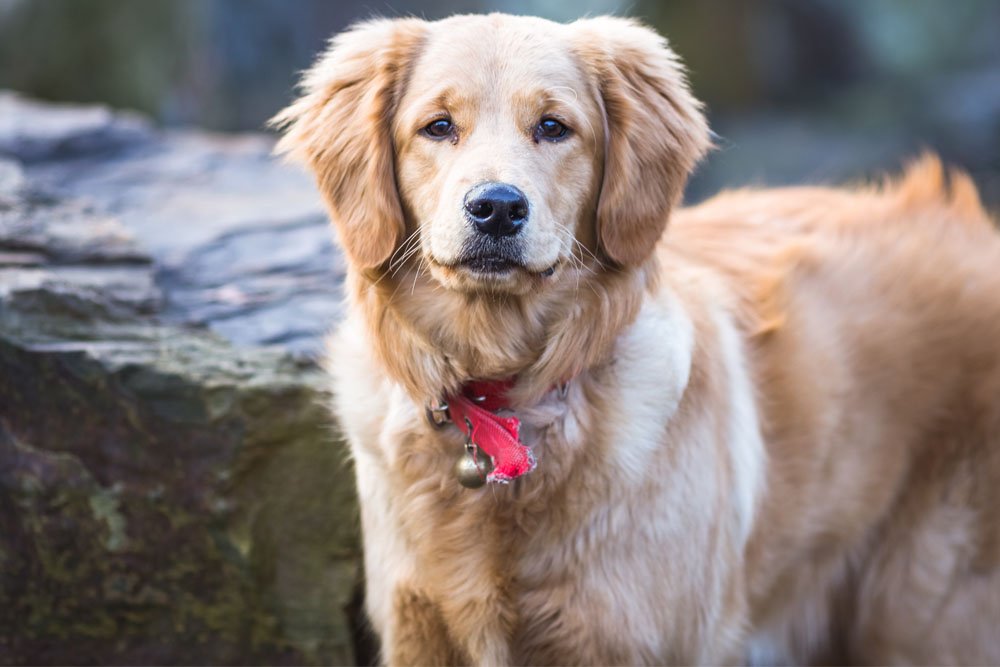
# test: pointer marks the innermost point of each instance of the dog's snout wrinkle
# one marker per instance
(496, 209)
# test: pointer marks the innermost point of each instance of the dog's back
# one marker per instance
(873, 325)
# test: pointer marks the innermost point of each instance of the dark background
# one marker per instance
(798, 90)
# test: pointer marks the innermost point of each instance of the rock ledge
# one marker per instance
(171, 488)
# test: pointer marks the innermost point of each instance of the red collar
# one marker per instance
(474, 412)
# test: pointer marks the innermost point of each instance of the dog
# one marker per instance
(768, 432)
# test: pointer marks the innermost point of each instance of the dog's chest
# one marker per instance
(568, 560)
(566, 569)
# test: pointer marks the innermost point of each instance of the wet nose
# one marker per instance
(496, 209)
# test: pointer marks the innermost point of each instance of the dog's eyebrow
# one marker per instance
(434, 102)
(559, 100)
(546, 96)
(559, 93)
(570, 108)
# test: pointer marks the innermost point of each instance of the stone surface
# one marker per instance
(241, 242)
(35, 131)
(167, 496)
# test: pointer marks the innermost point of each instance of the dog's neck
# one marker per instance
(432, 340)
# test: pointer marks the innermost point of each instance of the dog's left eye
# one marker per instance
(551, 129)
(438, 129)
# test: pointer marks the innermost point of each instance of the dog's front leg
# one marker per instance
(418, 635)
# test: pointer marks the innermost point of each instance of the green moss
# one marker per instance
(180, 501)
(105, 508)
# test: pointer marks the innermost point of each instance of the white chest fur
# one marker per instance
(631, 531)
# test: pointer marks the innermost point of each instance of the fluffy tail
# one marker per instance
(925, 182)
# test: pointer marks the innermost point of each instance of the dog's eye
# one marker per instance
(551, 129)
(439, 129)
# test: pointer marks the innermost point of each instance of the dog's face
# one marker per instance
(497, 151)
(499, 147)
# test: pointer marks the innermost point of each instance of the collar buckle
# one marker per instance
(438, 415)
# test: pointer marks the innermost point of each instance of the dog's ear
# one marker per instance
(654, 132)
(340, 128)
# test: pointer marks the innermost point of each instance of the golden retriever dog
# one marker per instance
(763, 429)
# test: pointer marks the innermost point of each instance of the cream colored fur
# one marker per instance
(779, 436)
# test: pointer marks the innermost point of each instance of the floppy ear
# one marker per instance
(340, 128)
(654, 132)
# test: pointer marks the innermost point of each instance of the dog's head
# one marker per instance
(497, 150)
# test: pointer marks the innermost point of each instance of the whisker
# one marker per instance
(403, 264)
(405, 257)
(393, 260)
(576, 244)
(406, 248)
(416, 274)
(404, 243)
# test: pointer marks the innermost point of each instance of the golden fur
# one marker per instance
(780, 436)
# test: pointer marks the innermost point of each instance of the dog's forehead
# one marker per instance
(497, 52)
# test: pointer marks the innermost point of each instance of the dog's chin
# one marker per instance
(491, 273)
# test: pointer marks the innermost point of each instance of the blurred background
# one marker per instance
(798, 90)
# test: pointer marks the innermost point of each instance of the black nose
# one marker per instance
(497, 209)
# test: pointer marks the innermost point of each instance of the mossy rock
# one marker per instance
(165, 496)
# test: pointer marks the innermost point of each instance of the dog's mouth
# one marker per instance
(494, 267)
(490, 264)
(498, 266)
(491, 259)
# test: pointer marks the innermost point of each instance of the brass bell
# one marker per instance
(472, 467)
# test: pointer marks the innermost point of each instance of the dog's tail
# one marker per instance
(926, 183)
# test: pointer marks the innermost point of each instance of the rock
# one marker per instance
(170, 501)
(166, 496)
(11, 182)
(241, 241)
(68, 233)
(275, 283)
(33, 132)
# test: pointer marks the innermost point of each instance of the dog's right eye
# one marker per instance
(439, 129)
